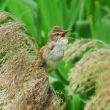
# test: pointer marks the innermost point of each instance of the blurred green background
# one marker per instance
(86, 18)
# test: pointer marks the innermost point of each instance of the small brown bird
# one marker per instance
(53, 51)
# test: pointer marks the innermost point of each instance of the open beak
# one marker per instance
(69, 38)
(64, 33)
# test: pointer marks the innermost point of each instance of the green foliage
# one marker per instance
(75, 102)
(86, 18)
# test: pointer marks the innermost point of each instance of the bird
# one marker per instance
(53, 52)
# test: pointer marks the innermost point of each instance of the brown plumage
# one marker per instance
(53, 51)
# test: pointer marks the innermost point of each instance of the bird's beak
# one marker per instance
(69, 38)
(64, 33)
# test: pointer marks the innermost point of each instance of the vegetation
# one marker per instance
(86, 18)
(24, 84)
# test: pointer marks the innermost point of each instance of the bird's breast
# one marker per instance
(57, 53)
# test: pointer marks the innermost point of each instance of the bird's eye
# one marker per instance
(57, 34)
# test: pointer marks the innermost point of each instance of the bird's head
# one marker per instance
(57, 34)
(58, 38)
